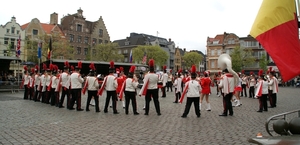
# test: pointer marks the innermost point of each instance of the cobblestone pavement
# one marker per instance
(29, 122)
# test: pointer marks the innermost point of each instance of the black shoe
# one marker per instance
(116, 112)
(266, 110)
(136, 113)
(98, 111)
(231, 114)
(158, 114)
(198, 116)
(175, 102)
(270, 107)
(146, 114)
(79, 109)
(123, 107)
(105, 111)
(144, 108)
(126, 113)
(259, 111)
(110, 106)
(71, 108)
(222, 115)
(183, 116)
(61, 106)
(87, 109)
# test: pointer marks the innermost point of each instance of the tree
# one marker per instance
(241, 58)
(152, 52)
(191, 58)
(60, 48)
(263, 63)
(106, 52)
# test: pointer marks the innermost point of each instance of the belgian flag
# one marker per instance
(276, 28)
(50, 49)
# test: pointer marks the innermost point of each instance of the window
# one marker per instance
(6, 40)
(18, 31)
(79, 28)
(106, 41)
(250, 43)
(94, 52)
(35, 32)
(231, 41)
(227, 51)
(86, 40)
(94, 41)
(71, 37)
(127, 43)
(219, 51)
(126, 59)
(125, 52)
(86, 51)
(100, 33)
(79, 39)
(212, 64)
(13, 30)
(5, 52)
(12, 42)
(100, 41)
(216, 42)
(212, 52)
(119, 52)
(7, 30)
(78, 50)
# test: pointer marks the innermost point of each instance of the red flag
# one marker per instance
(50, 49)
(276, 28)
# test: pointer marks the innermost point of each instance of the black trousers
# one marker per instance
(130, 96)
(113, 96)
(227, 104)
(54, 98)
(36, 94)
(163, 89)
(244, 88)
(263, 105)
(188, 104)
(154, 94)
(65, 91)
(169, 86)
(76, 96)
(272, 98)
(177, 95)
(31, 93)
(251, 92)
(92, 94)
(26, 92)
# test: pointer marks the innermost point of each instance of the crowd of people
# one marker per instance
(52, 86)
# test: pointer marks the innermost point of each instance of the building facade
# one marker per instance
(83, 35)
(10, 33)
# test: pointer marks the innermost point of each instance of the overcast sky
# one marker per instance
(187, 22)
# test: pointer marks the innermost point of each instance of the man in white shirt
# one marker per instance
(150, 89)
(37, 81)
(164, 80)
(76, 86)
(227, 86)
(92, 86)
(65, 82)
(110, 84)
(273, 89)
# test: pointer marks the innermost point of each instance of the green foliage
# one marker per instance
(263, 63)
(191, 58)
(60, 48)
(107, 52)
(153, 52)
(241, 58)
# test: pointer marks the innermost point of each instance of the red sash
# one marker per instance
(122, 90)
(145, 88)
(102, 87)
(184, 92)
(85, 86)
(49, 87)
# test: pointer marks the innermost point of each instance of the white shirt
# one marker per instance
(264, 85)
(244, 80)
(54, 82)
(153, 80)
(165, 79)
(37, 80)
(47, 80)
(193, 89)
(92, 83)
(273, 84)
(76, 80)
(131, 85)
(111, 83)
(227, 83)
(177, 84)
(65, 80)
(26, 79)
(252, 82)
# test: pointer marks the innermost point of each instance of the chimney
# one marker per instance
(170, 40)
(79, 12)
(184, 49)
(54, 19)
